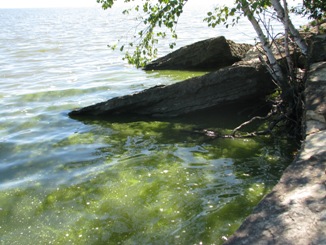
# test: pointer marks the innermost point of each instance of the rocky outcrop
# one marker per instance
(227, 85)
(318, 48)
(295, 211)
(212, 53)
(316, 98)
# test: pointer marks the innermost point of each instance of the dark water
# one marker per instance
(64, 181)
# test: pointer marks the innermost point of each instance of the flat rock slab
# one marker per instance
(212, 53)
(227, 85)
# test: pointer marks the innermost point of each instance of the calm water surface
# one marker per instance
(64, 181)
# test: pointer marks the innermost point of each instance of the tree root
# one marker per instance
(289, 114)
(274, 111)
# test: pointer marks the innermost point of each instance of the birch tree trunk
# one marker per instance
(276, 70)
(286, 21)
(286, 40)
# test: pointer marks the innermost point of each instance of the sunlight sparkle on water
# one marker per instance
(87, 181)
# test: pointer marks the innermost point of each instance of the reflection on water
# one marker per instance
(64, 181)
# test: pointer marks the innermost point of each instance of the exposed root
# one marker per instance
(286, 114)
(276, 116)
(272, 112)
(267, 131)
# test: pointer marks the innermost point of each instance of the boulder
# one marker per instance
(212, 53)
(225, 86)
(315, 98)
(317, 51)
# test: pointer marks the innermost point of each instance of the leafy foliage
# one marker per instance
(159, 14)
(314, 9)
(222, 14)
(158, 18)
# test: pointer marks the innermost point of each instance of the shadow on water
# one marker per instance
(143, 133)
(185, 128)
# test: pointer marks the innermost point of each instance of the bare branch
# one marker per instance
(251, 120)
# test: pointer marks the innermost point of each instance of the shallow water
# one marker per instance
(64, 181)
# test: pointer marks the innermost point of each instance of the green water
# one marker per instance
(126, 180)
(148, 182)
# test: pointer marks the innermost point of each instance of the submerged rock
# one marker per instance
(225, 86)
(212, 53)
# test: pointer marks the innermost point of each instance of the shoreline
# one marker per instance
(294, 212)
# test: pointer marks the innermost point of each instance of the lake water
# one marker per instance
(64, 181)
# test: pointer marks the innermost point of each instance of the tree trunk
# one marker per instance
(276, 72)
(286, 40)
(286, 21)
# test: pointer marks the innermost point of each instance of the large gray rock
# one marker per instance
(212, 53)
(317, 48)
(227, 85)
(315, 96)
